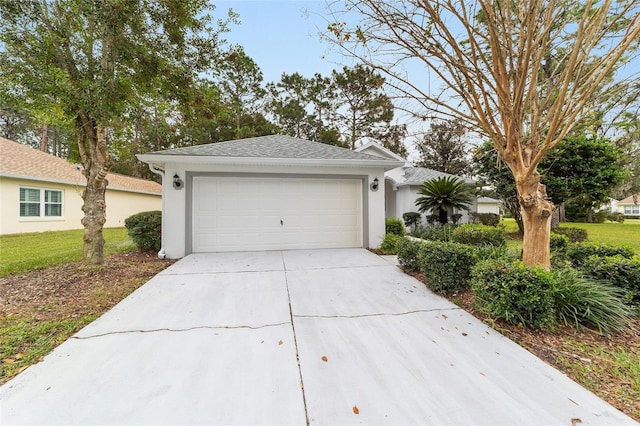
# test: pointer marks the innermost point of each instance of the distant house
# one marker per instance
(41, 192)
(402, 184)
(630, 206)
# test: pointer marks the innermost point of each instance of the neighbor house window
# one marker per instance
(35, 202)
(632, 210)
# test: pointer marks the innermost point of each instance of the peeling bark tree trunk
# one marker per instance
(95, 170)
(536, 212)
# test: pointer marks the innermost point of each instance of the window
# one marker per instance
(632, 210)
(36, 202)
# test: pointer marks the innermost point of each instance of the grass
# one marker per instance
(21, 253)
(620, 366)
(627, 233)
(24, 342)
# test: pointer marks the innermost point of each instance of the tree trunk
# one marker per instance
(536, 212)
(94, 207)
(443, 216)
(44, 138)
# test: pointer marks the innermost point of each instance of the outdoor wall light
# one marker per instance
(374, 185)
(177, 182)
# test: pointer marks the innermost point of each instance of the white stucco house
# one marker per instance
(402, 184)
(269, 193)
(41, 192)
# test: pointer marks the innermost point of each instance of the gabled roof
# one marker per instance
(418, 175)
(23, 162)
(630, 200)
(266, 149)
(376, 149)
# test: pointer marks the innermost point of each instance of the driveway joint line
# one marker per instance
(295, 341)
(381, 314)
(180, 330)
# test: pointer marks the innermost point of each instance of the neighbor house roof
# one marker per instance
(419, 175)
(632, 200)
(277, 148)
(22, 161)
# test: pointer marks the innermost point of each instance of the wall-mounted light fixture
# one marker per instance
(177, 182)
(374, 185)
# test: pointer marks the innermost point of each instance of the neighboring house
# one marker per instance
(402, 183)
(269, 193)
(41, 192)
(630, 206)
(488, 205)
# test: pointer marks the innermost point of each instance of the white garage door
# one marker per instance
(235, 214)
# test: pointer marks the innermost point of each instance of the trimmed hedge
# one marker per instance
(575, 235)
(578, 253)
(145, 229)
(514, 292)
(436, 233)
(487, 219)
(390, 244)
(446, 266)
(479, 235)
(395, 226)
(408, 250)
(621, 271)
(559, 242)
(412, 219)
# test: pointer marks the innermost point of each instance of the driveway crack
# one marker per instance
(180, 330)
(381, 314)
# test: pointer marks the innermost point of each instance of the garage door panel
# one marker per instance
(232, 214)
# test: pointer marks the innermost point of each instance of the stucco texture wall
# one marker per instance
(120, 205)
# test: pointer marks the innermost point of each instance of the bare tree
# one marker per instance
(520, 73)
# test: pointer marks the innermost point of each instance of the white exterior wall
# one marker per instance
(174, 220)
(489, 208)
(120, 205)
(406, 202)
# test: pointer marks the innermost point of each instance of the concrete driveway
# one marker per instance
(325, 337)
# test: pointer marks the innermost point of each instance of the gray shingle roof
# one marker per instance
(419, 175)
(273, 146)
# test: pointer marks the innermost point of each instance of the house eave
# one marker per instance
(162, 160)
(78, 183)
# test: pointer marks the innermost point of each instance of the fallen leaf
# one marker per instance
(280, 342)
(325, 359)
(356, 410)
(575, 421)
(464, 334)
(444, 316)
(8, 360)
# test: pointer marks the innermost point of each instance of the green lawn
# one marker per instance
(627, 233)
(25, 252)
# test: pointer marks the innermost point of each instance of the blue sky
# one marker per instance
(282, 36)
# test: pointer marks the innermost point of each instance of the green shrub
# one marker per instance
(578, 253)
(412, 219)
(446, 266)
(620, 271)
(145, 229)
(390, 244)
(395, 226)
(436, 233)
(455, 218)
(479, 235)
(408, 250)
(616, 217)
(514, 292)
(487, 219)
(558, 242)
(584, 301)
(576, 235)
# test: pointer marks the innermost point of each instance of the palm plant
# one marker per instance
(443, 194)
